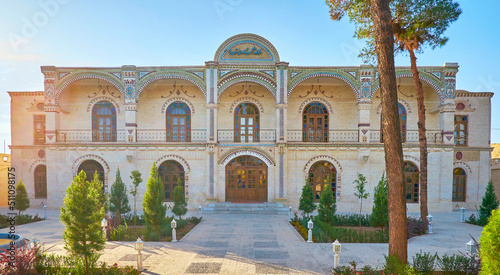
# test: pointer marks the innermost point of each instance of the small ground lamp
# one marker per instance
(104, 224)
(462, 216)
(336, 248)
(5, 158)
(199, 212)
(471, 247)
(44, 212)
(429, 219)
(290, 214)
(138, 246)
(310, 232)
(173, 224)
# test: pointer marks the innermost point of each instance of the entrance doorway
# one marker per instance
(246, 180)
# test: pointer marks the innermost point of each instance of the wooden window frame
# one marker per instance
(315, 136)
(90, 174)
(239, 113)
(410, 188)
(174, 131)
(39, 129)
(40, 181)
(456, 178)
(322, 176)
(97, 136)
(457, 123)
(168, 172)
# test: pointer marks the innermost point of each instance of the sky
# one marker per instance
(176, 33)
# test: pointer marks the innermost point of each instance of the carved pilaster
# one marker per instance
(51, 107)
(281, 176)
(281, 116)
(366, 77)
(449, 81)
(212, 78)
(364, 121)
(447, 120)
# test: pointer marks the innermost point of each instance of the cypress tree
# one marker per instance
(180, 205)
(22, 202)
(327, 206)
(380, 211)
(490, 203)
(154, 209)
(118, 201)
(82, 213)
(307, 199)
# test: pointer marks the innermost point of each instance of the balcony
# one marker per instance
(433, 136)
(333, 136)
(227, 135)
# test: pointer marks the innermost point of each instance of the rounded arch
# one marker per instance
(149, 78)
(247, 39)
(170, 171)
(73, 77)
(246, 100)
(36, 163)
(404, 103)
(104, 121)
(177, 158)
(318, 100)
(79, 161)
(332, 161)
(345, 77)
(90, 167)
(412, 181)
(425, 77)
(413, 160)
(258, 78)
(227, 157)
(95, 100)
(176, 99)
(459, 188)
(40, 181)
(320, 174)
(315, 123)
(462, 165)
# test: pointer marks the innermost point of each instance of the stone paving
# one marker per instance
(254, 244)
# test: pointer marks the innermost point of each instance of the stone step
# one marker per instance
(267, 208)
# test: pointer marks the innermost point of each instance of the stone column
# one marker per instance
(364, 121)
(129, 76)
(211, 100)
(447, 121)
(281, 100)
(51, 104)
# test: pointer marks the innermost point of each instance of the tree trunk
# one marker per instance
(384, 39)
(422, 139)
(360, 208)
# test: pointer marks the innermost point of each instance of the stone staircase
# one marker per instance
(266, 208)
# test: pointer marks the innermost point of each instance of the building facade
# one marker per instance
(247, 127)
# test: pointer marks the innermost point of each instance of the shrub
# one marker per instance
(489, 203)
(154, 209)
(306, 203)
(25, 257)
(121, 233)
(327, 206)
(118, 201)
(22, 202)
(454, 263)
(380, 211)
(424, 262)
(180, 205)
(490, 244)
(351, 220)
(415, 227)
(394, 266)
(361, 192)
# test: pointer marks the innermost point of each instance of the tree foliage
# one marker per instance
(118, 200)
(136, 178)
(307, 204)
(154, 209)
(380, 211)
(489, 203)
(361, 192)
(327, 206)
(82, 213)
(180, 204)
(490, 245)
(22, 202)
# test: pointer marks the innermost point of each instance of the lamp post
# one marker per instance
(429, 219)
(34, 242)
(290, 214)
(336, 248)
(138, 246)
(173, 224)
(471, 248)
(104, 224)
(44, 212)
(462, 215)
(310, 232)
(199, 212)
(5, 158)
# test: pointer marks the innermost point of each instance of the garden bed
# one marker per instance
(20, 219)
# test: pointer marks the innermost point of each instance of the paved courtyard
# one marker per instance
(253, 244)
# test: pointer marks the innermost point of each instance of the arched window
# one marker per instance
(90, 167)
(246, 123)
(41, 182)
(103, 121)
(315, 123)
(169, 171)
(178, 122)
(402, 123)
(459, 184)
(322, 173)
(246, 179)
(411, 181)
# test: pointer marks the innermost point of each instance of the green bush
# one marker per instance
(454, 263)
(180, 204)
(22, 202)
(490, 245)
(424, 262)
(394, 266)
(306, 203)
(380, 210)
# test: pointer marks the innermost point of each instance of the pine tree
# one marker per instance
(136, 181)
(327, 206)
(361, 192)
(154, 209)
(307, 199)
(490, 203)
(380, 211)
(490, 245)
(180, 205)
(82, 214)
(118, 201)
(22, 202)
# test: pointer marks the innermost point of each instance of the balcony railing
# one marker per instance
(159, 135)
(333, 136)
(433, 136)
(227, 135)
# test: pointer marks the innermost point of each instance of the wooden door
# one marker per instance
(246, 180)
